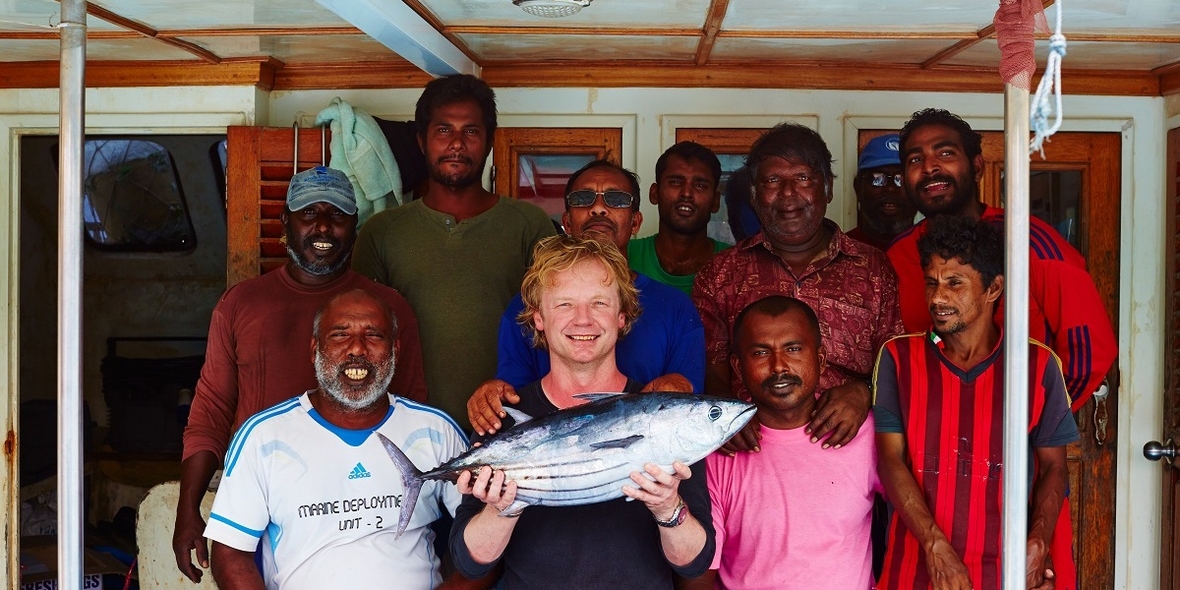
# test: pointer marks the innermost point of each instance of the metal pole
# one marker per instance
(1016, 208)
(69, 300)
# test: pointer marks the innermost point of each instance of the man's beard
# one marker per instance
(330, 380)
(314, 268)
(965, 193)
(458, 181)
(887, 227)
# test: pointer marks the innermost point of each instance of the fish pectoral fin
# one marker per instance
(514, 509)
(518, 416)
(618, 443)
(593, 397)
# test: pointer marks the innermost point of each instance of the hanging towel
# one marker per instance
(360, 151)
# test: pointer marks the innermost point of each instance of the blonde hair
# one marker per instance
(560, 253)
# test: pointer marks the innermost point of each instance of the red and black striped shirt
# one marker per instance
(952, 420)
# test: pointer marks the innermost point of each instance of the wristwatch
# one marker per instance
(677, 517)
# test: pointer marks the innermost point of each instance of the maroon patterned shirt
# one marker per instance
(852, 289)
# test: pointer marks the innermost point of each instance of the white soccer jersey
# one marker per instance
(327, 499)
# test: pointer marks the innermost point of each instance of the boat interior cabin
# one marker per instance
(197, 113)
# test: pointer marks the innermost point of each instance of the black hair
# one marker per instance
(690, 151)
(792, 141)
(451, 89)
(775, 306)
(632, 178)
(976, 243)
(972, 141)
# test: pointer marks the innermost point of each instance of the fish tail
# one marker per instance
(411, 482)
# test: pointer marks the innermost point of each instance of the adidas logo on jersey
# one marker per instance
(358, 472)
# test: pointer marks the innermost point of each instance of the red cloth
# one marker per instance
(1065, 310)
(259, 352)
(1016, 23)
(851, 288)
(952, 420)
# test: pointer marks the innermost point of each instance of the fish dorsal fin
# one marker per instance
(618, 443)
(593, 397)
(517, 416)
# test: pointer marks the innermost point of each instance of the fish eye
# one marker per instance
(714, 413)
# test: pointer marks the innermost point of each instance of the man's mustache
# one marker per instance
(776, 379)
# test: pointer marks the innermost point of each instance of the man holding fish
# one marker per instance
(579, 299)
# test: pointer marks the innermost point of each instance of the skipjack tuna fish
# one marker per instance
(585, 454)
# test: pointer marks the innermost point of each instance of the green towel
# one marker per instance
(360, 150)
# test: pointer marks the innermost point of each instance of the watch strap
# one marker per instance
(678, 515)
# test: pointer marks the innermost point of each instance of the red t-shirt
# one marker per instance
(953, 420)
(259, 352)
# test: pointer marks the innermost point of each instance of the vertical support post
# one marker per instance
(69, 299)
(1016, 214)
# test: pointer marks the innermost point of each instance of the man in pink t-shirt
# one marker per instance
(792, 515)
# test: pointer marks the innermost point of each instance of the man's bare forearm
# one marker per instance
(235, 570)
(1048, 492)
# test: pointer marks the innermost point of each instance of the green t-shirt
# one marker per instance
(458, 277)
(641, 257)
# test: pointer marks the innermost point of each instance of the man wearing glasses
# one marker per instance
(882, 210)
(666, 347)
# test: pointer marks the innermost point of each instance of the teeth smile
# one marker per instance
(356, 373)
(583, 338)
(321, 245)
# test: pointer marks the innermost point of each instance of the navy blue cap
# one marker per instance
(880, 151)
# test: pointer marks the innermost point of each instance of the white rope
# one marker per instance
(1040, 110)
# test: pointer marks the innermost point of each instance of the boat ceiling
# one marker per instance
(795, 43)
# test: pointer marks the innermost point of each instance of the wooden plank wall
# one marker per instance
(260, 165)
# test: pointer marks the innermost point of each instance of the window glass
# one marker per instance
(543, 177)
(1055, 196)
(132, 199)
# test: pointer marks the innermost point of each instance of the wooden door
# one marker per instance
(260, 163)
(1076, 189)
(1170, 519)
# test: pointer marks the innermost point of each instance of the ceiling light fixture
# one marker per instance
(552, 8)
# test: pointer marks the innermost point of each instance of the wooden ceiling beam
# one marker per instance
(831, 76)
(608, 31)
(260, 32)
(122, 74)
(1169, 76)
(271, 74)
(709, 32)
(122, 21)
(399, 74)
(54, 35)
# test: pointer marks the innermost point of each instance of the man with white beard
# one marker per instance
(310, 480)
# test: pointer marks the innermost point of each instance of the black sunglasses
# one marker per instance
(586, 198)
(882, 178)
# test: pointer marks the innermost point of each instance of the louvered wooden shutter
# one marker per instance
(259, 166)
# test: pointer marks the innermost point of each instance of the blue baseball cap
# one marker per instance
(321, 185)
(880, 151)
